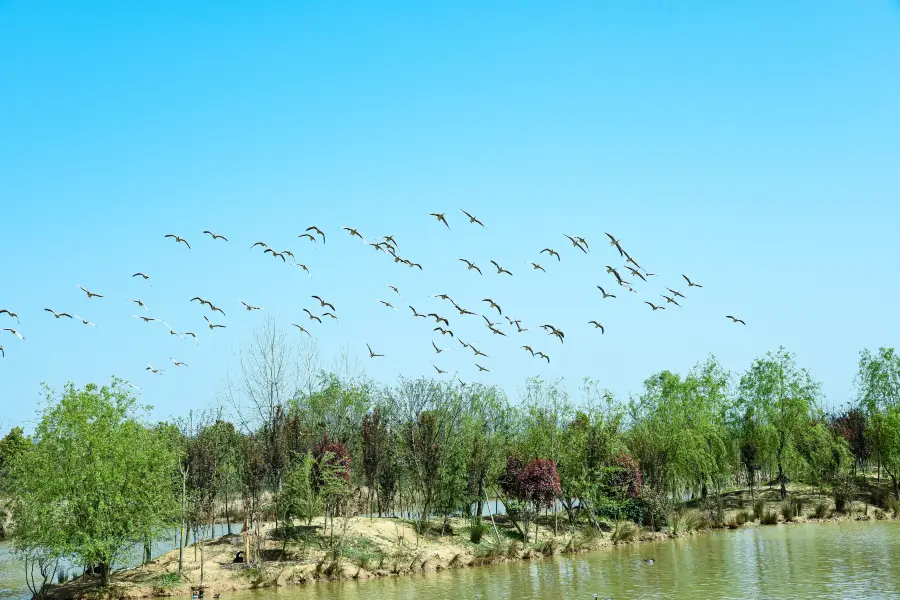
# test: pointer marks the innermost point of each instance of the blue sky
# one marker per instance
(752, 146)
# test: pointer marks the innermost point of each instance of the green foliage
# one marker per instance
(477, 531)
(821, 510)
(878, 393)
(770, 517)
(843, 489)
(741, 517)
(299, 499)
(96, 478)
(624, 532)
(12, 446)
(779, 401)
(759, 508)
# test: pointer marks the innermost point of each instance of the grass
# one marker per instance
(892, 504)
(821, 510)
(168, 580)
(624, 532)
(477, 531)
(741, 517)
(684, 521)
(770, 517)
(759, 509)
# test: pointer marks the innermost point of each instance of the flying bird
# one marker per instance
(275, 254)
(464, 345)
(14, 332)
(396, 291)
(317, 231)
(305, 268)
(529, 348)
(471, 265)
(332, 315)
(551, 252)
(598, 325)
(436, 349)
(444, 297)
(438, 318)
(542, 355)
(145, 319)
(84, 321)
(178, 363)
(58, 315)
(691, 283)
(480, 368)
(496, 331)
(2, 352)
(440, 217)
(152, 370)
(735, 319)
(353, 232)
(478, 352)
(202, 301)
(636, 272)
(215, 236)
(494, 305)
(10, 313)
(605, 295)
(473, 219)
(536, 266)
(500, 270)
(372, 354)
(670, 300)
(463, 311)
(388, 304)
(415, 313)
(614, 242)
(655, 307)
(248, 307)
(582, 241)
(303, 329)
(89, 293)
(211, 324)
(443, 331)
(576, 243)
(178, 239)
(674, 293)
(310, 236)
(263, 244)
(323, 303)
(439, 371)
(175, 333)
(139, 274)
(193, 335)
(312, 317)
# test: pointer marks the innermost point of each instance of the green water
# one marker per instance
(834, 560)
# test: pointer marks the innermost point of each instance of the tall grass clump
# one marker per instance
(770, 517)
(843, 489)
(477, 531)
(821, 510)
(759, 509)
(741, 517)
(624, 532)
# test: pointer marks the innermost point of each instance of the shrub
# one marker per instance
(787, 511)
(880, 515)
(654, 508)
(759, 508)
(547, 548)
(742, 517)
(512, 551)
(477, 531)
(843, 489)
(624, 532)
(892, 504)
(770, 517)
(683, 520)
(821, 510)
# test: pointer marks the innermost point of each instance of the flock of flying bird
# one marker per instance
(388, 245)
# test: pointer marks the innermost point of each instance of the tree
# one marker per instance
(96, 480)
(12, 446)
(784, 399)
(534, 486)
(852, 426)
(878, 393)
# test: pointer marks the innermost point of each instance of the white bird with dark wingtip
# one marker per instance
(84, 321)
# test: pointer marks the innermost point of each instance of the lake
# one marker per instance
(831, 560)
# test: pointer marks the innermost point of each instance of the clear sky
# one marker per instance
(753, 146)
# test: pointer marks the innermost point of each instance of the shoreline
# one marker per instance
(375, 548)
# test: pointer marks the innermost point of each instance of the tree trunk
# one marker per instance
(227, 515)
(246, 538)
(201, 564)
(104, 574)
(183, 509)
(781, 482)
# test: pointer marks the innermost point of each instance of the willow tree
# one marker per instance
(784, 400)
(878, 392)
(96, 480)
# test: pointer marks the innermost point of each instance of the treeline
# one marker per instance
(96, 477)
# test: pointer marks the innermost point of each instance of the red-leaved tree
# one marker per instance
(531, 486)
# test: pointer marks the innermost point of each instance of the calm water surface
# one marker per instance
(834, 560)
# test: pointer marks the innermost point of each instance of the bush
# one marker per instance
(843, 489)
(624, 532)
(682, 520)
(787, 511)
(611, 510)
(759, 508)
(880, 515)
(892, 504)
(742, 517)
(770, 517)
(821, 510)
(477, 531)
(654, 508)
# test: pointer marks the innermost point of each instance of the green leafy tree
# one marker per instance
(13, 445)
(784, 399)
(878, 393)
(96, 481)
